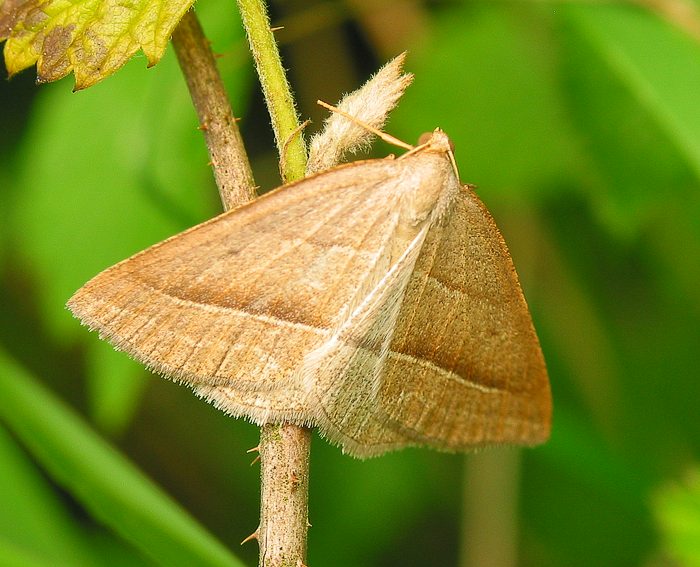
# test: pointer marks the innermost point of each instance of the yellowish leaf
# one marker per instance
(91, 38)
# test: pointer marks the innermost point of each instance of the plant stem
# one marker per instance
(232, 172)
(280, 103)
(490, 529)
(284, 490)
(284, 449)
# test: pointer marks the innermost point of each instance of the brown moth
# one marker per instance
(376, 301)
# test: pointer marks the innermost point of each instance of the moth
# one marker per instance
(376, 301)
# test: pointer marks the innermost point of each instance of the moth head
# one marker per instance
(438, 141)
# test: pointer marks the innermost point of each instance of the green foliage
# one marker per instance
(91, 38)
(105, 483)
(581, 128)
(677, 508)
(642, 84)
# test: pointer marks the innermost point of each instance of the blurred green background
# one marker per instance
(580, 125)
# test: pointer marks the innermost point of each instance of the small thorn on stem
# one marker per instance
(276, 28)
(252, 536)
(294, 480)
(255, 449)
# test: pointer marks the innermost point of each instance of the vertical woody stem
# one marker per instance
(232, 172)
(284, 456)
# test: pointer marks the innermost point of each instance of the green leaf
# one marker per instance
(115, 387)
(32, 516)
(509, 139)
(91, 38)
(73, 221)
(100, 478)
(14, 556)
(631, 81)
(39, 525)
(76, 220)
(677, 508)
(147, 175)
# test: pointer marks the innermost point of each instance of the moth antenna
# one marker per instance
(388, 138)
(453, 161)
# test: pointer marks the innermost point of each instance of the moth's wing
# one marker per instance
(286, 403)
(465, 367)
(343, 375)
(240, 299)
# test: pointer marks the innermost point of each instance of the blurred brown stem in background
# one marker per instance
(490, 511)
(683, 14)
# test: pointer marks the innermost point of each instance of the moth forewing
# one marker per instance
(465, 367)
(240, 299)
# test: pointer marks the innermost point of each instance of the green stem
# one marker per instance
(280, 102)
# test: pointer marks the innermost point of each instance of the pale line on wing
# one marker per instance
(256, 316)
(444, 372)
